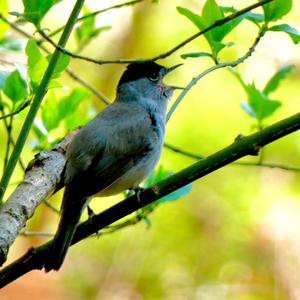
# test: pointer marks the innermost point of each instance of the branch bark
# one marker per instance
(248, 145)
(42, 176)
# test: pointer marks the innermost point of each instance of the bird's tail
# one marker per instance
(71, 213)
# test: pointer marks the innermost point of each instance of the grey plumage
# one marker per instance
(115, 151)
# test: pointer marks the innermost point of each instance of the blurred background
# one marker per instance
(235, 235)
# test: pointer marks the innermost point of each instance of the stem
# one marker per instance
(42, 89)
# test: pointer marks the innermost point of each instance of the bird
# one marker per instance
(116, 150)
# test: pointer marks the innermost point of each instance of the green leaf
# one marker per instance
(50, 113)
(87, 29)
(277, 9)
(260, 103)
(196, 19)
(211, 13)
(195, 54)
(11, 44)
(35, 10)
(248, 109)
(15, 87)
(161, 174)
(291, 31)
(253, 17)
(61, 65)
(54, 111)
(3, 77)
(37, 63)
(274, 82)
(69, 104)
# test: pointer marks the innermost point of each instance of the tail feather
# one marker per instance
(63, 238)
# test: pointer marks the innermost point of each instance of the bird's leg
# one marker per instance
(90, 212)
(137, 191)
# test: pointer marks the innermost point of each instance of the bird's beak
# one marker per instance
(173, 68)
(174, 87)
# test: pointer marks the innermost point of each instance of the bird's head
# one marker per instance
(145, 80)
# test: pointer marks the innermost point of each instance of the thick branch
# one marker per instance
(41, 178)
(244, 146)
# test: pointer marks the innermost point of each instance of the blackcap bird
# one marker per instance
(116, 150)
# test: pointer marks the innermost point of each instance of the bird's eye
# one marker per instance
(153, 77)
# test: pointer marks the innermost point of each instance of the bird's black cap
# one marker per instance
(138, 70)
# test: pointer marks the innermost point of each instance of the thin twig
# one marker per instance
(69, 71)
(254, 164)
(211, 69)
(97, 12)
(22, 107)
(10, 139)
(86, 58)
(215, 24)
(126, 61)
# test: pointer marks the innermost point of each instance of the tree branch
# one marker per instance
(247, 145)
(23, 106)
(254, 164)
(42, 177)
(164, 55)
(37, 100)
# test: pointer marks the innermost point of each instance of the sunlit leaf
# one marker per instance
(37, 63)
(35, 10)
(260, 103)
(291, 31)
(87, 29)
(15, 86)
(50, 112)
(251, 16)
(61, 65)
(195, 54)
(274, 82)
(69, 104)
(277, 9)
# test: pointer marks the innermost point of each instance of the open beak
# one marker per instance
(174, 87)
(172, 68)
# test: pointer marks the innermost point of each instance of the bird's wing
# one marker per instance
(107, 147)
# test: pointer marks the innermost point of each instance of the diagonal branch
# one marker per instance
(239, 163)
(164, 55)
(247, 145)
